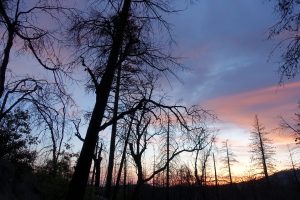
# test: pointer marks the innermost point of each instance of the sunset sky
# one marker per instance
(230, 70)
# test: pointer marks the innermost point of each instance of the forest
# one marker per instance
(88, 111)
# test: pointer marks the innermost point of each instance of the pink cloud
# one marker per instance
(268, 103)
(236, 113)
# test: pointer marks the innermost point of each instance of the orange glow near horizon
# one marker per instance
(236, 113)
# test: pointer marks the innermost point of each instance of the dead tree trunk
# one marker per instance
(112, 148)
(122, 161)
(294, 168)
(11, 29)
(80, 177)
(98, 167)
(228, 163)
(263, 157)
(168, 158)
(216, 177)
(125, 179)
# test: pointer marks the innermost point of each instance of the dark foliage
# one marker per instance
(16, 138)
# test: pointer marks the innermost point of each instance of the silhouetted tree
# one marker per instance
(19, 93)
(123, 158)
(184, 174)
(292, 126)
(97, 157)
(215, 170)
(154, 115)
(97, 165)
(168, 158)
(288, 27)
(48, 108)
(201, 179)
(118, 34)
(229, 159)
(206, 152)
(293, 165)
(51, 111)
(113, 136)
(261, 149)
(16, 138)
(23, 30)
(22, 26)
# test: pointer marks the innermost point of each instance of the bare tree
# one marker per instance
(115, 34)
(292, 125)
(48, 108)
(288, 28)
(18, 93)
(97, 165)
(216, 177)
(123, 158)
(293, 165)
(23, 31)
(201, 178)
(168, 158)
(53, 119)
(206, 153)
(229, 159)
(20, 24)
(215, 171)
(102, 90)
(113, 137)
(184, 175)
(261, 149)
(188, 124)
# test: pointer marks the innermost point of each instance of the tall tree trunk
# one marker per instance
(263, 157)
(54, 160)
(122, 161)
(215, 170)
(112, 148)
(136, 191)
(124, 179)
(294, 168)
(9, 43)
(153, 180)
(228, 163)
(198, 181)
(262, 149)
(168, 158)
(216, 177)
(98, 167)
(140, 177)
(94, 167)
(80, 177)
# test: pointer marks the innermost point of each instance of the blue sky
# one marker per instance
(225, 45)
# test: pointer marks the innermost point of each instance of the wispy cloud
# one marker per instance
(268, 103)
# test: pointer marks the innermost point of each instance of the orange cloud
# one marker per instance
(237, 111)
(268, 103)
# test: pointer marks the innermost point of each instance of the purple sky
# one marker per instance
(225, 45)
